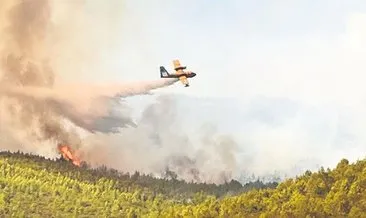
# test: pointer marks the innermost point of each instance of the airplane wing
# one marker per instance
(178, 67)
(176, 64)
(184, 80)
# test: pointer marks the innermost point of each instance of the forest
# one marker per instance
(32, 185)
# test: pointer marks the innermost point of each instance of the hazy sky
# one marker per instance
(242, 48)
(293, 70)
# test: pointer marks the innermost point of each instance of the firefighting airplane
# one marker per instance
(179, 73)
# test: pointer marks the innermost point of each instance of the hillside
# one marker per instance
(32, 185)
(59, 188)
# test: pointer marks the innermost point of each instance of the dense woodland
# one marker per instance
(35, 186)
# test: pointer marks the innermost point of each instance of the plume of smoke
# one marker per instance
(24, 62)
(36, 103)
(33, 106)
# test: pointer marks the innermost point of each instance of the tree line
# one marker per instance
(32, 185)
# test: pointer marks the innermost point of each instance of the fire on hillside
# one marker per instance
(69, 154)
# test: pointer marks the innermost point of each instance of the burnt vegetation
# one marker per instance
(32, 185)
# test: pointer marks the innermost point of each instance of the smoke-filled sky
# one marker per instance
(282, 80)
(286, 77)
(246, 48)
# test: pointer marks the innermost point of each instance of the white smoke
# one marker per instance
(159, 142)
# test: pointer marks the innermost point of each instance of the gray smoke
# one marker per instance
(24, 63)
(36, 103)
(158, 143)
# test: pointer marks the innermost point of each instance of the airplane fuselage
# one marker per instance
(175, 75)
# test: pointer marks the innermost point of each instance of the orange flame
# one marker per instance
(68, 154)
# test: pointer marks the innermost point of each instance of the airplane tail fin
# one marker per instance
(163, 72)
